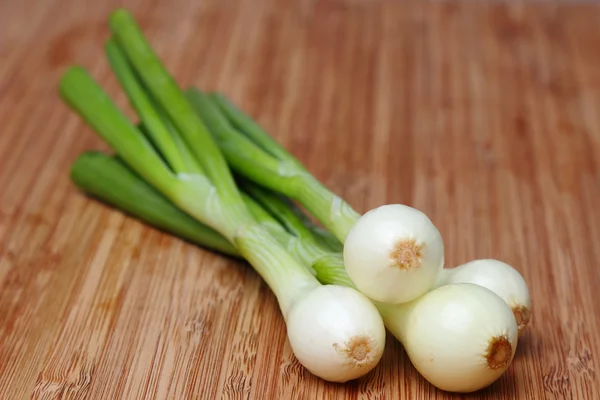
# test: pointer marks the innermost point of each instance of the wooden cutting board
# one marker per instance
(485, 115)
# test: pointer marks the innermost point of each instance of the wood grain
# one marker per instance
(482, 114)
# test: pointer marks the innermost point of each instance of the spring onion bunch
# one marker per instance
(461, 337)
(336, 286)
(334, 331)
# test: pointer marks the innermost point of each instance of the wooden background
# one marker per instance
(482, 114)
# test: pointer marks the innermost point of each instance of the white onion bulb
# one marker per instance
(336, 333)
(393, 253)
(498, 277)
(460, 337)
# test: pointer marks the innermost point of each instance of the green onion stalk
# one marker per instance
(110, 180)
(334, 331)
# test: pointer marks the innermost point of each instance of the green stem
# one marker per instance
(241, 153)
(252, 153)
(325, 237)
(321, 235)
(331, 210)
(330, 269)
(267, 221)
(279, 208)
(111, 181)
(302, 243)
(86, 97)
(194, 193)
(248, 126)
(168, 94)
(191, 164)
(288, 279)
(142, 104)
(189, 161)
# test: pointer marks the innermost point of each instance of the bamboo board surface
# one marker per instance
(482, 114)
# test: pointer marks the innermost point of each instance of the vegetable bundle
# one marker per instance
(197, 166)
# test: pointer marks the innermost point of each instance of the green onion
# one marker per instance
(470, 352)
(169, 172)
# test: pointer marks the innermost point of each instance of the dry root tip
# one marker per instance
(358, 350)
(407, 254)
(522, 315)
(499, 353)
